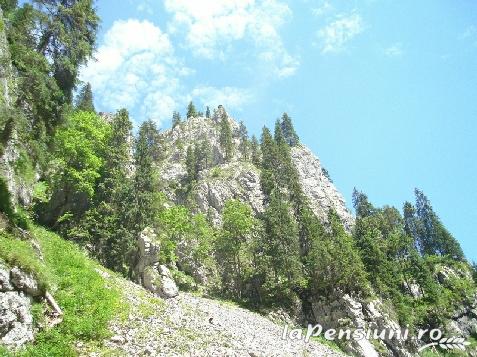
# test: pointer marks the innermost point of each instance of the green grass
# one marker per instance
(87, 302)
(16, 252)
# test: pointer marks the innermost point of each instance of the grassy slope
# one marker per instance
(87, 301)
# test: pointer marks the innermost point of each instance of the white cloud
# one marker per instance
(336, 35)
(136, 68)
(395, 50)
(211, 27)
(470, 34)
(229, 97)
(323, 9)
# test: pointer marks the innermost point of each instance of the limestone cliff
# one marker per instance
(239, 178)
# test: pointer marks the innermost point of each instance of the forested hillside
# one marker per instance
(201, 207)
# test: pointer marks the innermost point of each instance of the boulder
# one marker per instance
(24, 282)
(346, 311)
(16, 320)
(158, 280)
(148, 250)
(5, 284)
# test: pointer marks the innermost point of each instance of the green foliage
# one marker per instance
(288, 131)
(334, 261)
(191, 111)
(84, 101)
(233, 247)
(207, 112)
(226, 142)
(5, 199)
(108, 226)
(176, 119)
(431, 235)
(178, 226)
(147, 151)
(87, 302)
(281, 250)
(79, 151)
(24, 168)
(16, 252)
(255, 151)
(244, 145)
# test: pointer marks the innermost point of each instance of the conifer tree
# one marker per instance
(361, 204)
(176, 119)
(108, 226)
(145, 152)
(207, 112)
(226, 141)
(191, 111)
(233, 247)
(434, 238)
(288, 130)
(282, 249)
(244, 146)
(255, 151)
(85, 99)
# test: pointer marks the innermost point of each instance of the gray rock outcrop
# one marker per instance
(239, 178)
(347, 312)
(321, 192)
(154, 277)
(16, 320)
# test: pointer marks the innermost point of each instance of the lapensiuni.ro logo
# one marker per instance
(434, 337)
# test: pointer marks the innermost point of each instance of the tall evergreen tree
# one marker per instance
(67, 37)
(361, 204)
(288, 130)
(433, 237)
(191, 111)
(233, 247)
(244, 145)
(282, 249)
(207, 112)
(108, 227)
(84, 101)
(255, 151)
(145, 177)
(176, 119)
(226, 140)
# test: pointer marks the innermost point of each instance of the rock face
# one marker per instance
(239, 178)
(346, 312)
(154, 277)
(20, 190)
(17, 289)
(320, 191)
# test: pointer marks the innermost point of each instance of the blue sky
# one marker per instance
(384, 92)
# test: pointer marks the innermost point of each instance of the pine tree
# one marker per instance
(191, 111)
(68, 33)
(278, 133)
(108, 226)
(84, 101)
(288, 130)
(434, 238)
(145, 176)
(226, 141)
(176, 119)
(244, 145)
(361, 204)
(207, 112)
(255, 151)
(282, 249)
(233, 247)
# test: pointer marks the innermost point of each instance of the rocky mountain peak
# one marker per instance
(239, 177)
